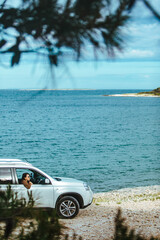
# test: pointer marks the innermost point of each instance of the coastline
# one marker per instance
(140, 207)
(153, 93)
(124, 194)
(132, 95)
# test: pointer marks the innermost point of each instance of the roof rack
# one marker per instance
(10, 160)
(13, 162)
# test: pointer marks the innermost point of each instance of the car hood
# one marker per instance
(67, 181)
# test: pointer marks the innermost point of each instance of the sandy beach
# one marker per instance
(140, 208)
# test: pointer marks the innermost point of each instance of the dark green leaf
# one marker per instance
(2, 43)
(15, 58)
(53, 60)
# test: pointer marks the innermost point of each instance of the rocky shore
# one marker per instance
(140, 208)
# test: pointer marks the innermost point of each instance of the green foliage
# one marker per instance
(47, 27)
(153, 92)
(46, 227)
(30, 224)
(11, 208)
(122, 231)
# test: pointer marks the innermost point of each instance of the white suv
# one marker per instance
(66, 195)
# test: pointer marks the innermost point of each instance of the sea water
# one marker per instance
(109, 142)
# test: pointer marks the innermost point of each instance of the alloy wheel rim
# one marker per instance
(67, 208)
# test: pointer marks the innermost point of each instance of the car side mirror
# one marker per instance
(47, 181)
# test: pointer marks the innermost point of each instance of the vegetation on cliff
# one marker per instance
(153, 92)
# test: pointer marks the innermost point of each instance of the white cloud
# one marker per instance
(137, 53)
(141, 53)
(135, 29)
(142, 40)
(147, 76)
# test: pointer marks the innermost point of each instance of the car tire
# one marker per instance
(67, 207)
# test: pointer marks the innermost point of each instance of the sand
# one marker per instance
(140, 208)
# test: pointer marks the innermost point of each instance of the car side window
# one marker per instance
(5, 176)
(19, 172)
(35, 177)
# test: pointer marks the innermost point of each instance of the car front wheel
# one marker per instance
(67, 207)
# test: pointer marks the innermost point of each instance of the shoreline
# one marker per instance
(153, 189)
(140, 207)
(132, 95)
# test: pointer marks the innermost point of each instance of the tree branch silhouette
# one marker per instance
(56, 27)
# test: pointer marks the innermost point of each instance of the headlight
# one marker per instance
(86, 186)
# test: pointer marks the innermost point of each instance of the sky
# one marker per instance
(137, 67)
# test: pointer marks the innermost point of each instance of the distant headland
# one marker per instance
(153, 93)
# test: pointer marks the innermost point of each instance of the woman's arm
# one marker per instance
(27, 184)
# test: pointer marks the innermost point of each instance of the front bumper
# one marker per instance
(88, 198)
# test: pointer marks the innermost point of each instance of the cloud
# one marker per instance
(135, 53)
(147, 76)
(137, 29)
(142, 40)
(139, 53)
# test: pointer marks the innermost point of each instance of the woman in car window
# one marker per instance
(26, 180)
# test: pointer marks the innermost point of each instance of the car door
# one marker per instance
(41, 189)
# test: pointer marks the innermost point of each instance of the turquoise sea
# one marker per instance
(109, 142)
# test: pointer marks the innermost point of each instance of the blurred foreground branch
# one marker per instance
(19, 221)
(51, 28)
